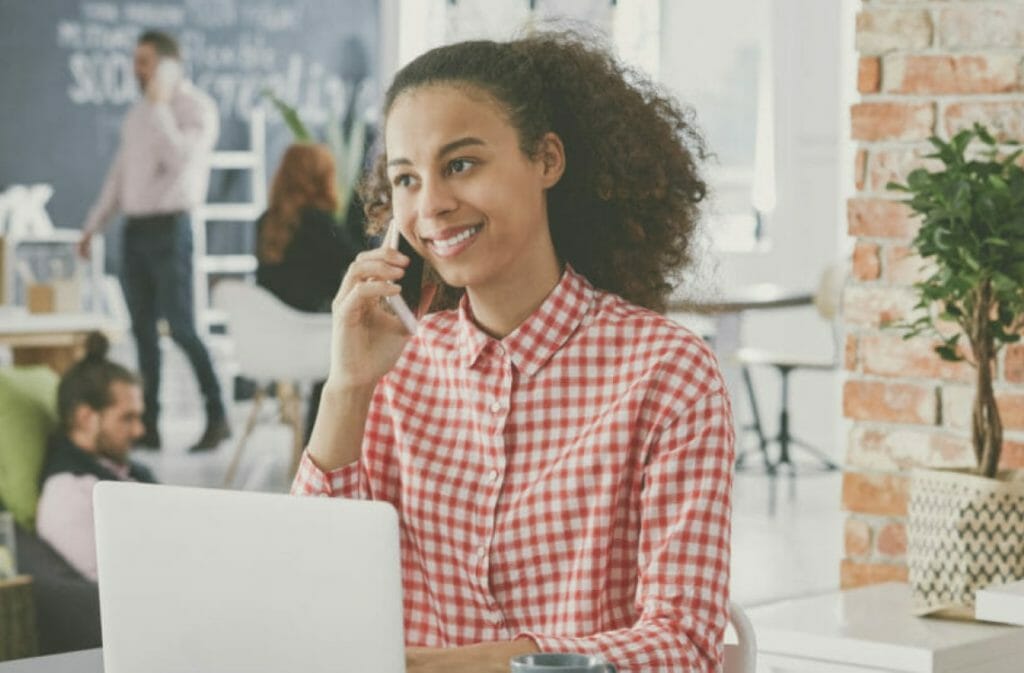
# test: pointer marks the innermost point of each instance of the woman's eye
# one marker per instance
(459, 165)
(403, 180)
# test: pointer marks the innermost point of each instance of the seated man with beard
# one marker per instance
(100, 407)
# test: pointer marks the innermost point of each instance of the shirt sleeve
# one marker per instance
(180, 138)
(375, 476)
(108, 202)
(683, 574)
(64, 520)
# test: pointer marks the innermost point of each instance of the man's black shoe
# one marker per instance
(216, 432)
(150, 441)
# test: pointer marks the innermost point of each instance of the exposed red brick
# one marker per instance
(892, 540)
(857, 537)
(880, 218)
(877, 306)
(882, 494)
(886, 449)
(853, 574)
(892, 121)
(944, 74)
(889, 354)
(1012, 456)
(958, 405)
(1011, 409)
(894, 402)
(885, 166)
(866, 265)
(869, 74)
(850, 353)
(904, 267)
(1013, 364)
(860, 162)
(882, 30)
(1005, 119)
(982, 26)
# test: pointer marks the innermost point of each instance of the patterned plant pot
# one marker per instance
(964, 532)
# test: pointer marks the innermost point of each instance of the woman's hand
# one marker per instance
(366, 339)
(479, 658)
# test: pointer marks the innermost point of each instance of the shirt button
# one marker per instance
(496, 407)
(492, 476)
(496, 619)
(481, 551)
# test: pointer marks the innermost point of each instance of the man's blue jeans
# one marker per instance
(157, 281)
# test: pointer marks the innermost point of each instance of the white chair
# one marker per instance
(740, 657)
(827, 301)
(274, 344)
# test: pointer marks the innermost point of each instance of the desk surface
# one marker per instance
(86, 661)
(873, 627)
(745, 298)
(22, 323)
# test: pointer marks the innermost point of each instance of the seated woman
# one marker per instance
(302, 252)
(560, 454)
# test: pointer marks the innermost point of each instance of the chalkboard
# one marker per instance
(66, 80)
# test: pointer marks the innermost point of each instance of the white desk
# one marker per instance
(54, 339)
(86, 661)
(871, 630)
(1001, 603)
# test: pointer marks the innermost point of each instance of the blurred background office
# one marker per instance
(771, 83)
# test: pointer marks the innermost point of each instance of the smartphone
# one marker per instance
(168, 71)
(411, 283)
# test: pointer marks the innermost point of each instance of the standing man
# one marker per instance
(161, 171)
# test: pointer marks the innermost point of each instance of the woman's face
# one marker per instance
(463, 192)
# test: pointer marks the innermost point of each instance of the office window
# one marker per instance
(717, 57)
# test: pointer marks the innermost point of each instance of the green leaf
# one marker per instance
(948, 353)
(290, 117)
(983, 134)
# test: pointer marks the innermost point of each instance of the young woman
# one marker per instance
(301, 251)
(559, 454)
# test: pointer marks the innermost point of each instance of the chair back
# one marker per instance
(742, 656)
(273, 341)
(829, 293)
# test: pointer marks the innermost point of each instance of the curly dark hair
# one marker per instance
(625, 211)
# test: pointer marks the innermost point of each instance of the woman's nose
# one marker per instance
(436, 198)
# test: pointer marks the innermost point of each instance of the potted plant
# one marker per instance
(965, 528)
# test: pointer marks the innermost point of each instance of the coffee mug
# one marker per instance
(560, 662)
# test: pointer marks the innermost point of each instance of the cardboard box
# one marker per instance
(40, 298)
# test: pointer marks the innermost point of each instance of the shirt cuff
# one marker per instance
(311, 480)
(561, 644)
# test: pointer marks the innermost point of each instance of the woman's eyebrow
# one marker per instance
(458, 144)
(445, 149)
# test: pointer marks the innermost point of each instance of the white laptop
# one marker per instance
(208, 581)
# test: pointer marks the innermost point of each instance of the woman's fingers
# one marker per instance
(363, 291)
(377, 264)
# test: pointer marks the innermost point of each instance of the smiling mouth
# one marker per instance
(446, 246)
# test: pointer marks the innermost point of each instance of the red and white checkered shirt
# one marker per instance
(570, 482)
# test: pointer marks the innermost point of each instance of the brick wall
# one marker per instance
(926, 66)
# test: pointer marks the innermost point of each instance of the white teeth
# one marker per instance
(450, 243)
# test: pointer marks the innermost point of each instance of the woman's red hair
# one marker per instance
(305, 179)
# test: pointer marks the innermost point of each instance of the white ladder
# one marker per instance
(241, 262)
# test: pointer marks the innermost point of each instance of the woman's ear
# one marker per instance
(551, 154)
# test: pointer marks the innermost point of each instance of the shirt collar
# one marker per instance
(541, 335)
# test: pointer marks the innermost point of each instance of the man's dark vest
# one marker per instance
(64, 457)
